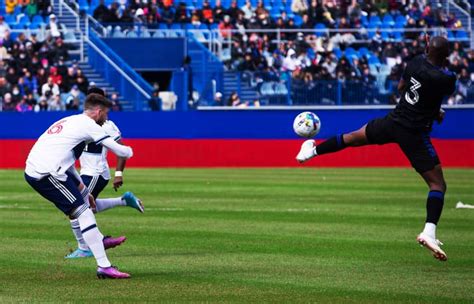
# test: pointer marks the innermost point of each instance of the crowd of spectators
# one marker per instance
(38, 75)
(301, 55)
(266, 14)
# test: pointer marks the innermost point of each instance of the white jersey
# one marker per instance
(58, 147)
(94, 158)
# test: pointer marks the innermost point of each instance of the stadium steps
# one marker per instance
(100, 82)
(69, 20)
(231, 84)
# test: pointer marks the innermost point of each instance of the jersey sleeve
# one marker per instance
(112, 130)
(95, 132)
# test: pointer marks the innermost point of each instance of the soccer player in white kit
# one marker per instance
(50, 171)
(95, 174)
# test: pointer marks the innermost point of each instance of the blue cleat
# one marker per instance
(133, 201)
(79, 253)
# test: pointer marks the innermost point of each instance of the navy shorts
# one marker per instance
(416, 145)
(95, 184)
(65, 195)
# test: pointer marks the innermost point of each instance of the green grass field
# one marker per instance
(247, 235)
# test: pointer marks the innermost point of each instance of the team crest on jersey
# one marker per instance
(412, 98)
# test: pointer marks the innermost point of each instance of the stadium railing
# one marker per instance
(221, 42)
(117, 72)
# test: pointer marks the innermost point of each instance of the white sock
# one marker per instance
(107, 203)
(430, 230)
(76, 230)
(93, 237)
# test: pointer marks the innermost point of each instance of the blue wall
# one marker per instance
(258, 124)
(150, 54)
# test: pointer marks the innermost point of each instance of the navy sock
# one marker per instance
(330, 145)
(434, 206)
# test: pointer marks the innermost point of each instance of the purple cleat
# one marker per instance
(111, 273)
(111, 242)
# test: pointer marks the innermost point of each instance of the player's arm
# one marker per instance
(99, 136)
(119, 150)
(118, 179)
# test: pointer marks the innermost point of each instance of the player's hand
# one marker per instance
(92, 202)
(118, 182)
(441, 115)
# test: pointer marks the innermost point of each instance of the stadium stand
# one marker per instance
(281, 52)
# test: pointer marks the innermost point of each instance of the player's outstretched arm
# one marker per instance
(119, 150)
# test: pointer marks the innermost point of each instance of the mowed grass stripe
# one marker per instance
(247, 235)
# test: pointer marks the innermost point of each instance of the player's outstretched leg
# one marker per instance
(94, 240)
(434, 206)
(339, 142)
(128, 199)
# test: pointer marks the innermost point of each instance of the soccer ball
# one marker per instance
(307, 124)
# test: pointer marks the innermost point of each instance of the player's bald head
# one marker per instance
(95, 90)
(439, 48)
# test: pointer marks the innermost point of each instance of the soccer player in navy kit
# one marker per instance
(424, 85)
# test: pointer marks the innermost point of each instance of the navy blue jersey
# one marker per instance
(426, 86)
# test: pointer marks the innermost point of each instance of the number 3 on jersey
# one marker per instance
(413, 97)
(57, 127)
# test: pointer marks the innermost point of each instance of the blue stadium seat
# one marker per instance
(35, 25)
(17, 10)
(320, 27)
(214, 26)
(298, 20)
(363, 52)
(451, 35)
(338, 53)
(132, 34)
(226, 3)
(462, 35)
(375, 20)
(398, 36)
(280, 89)
(37, 19)
(163, 26)
(374, 60)
(349, 52)
(83, 4)
(159, 34)
(401, 20)
(175, 26)
(24, 20)
(198, 4)
(10, 19)
(385, 35)
(388, 20)
(203, 26)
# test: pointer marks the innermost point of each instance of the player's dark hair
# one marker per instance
(95, 90)
(93, 100)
